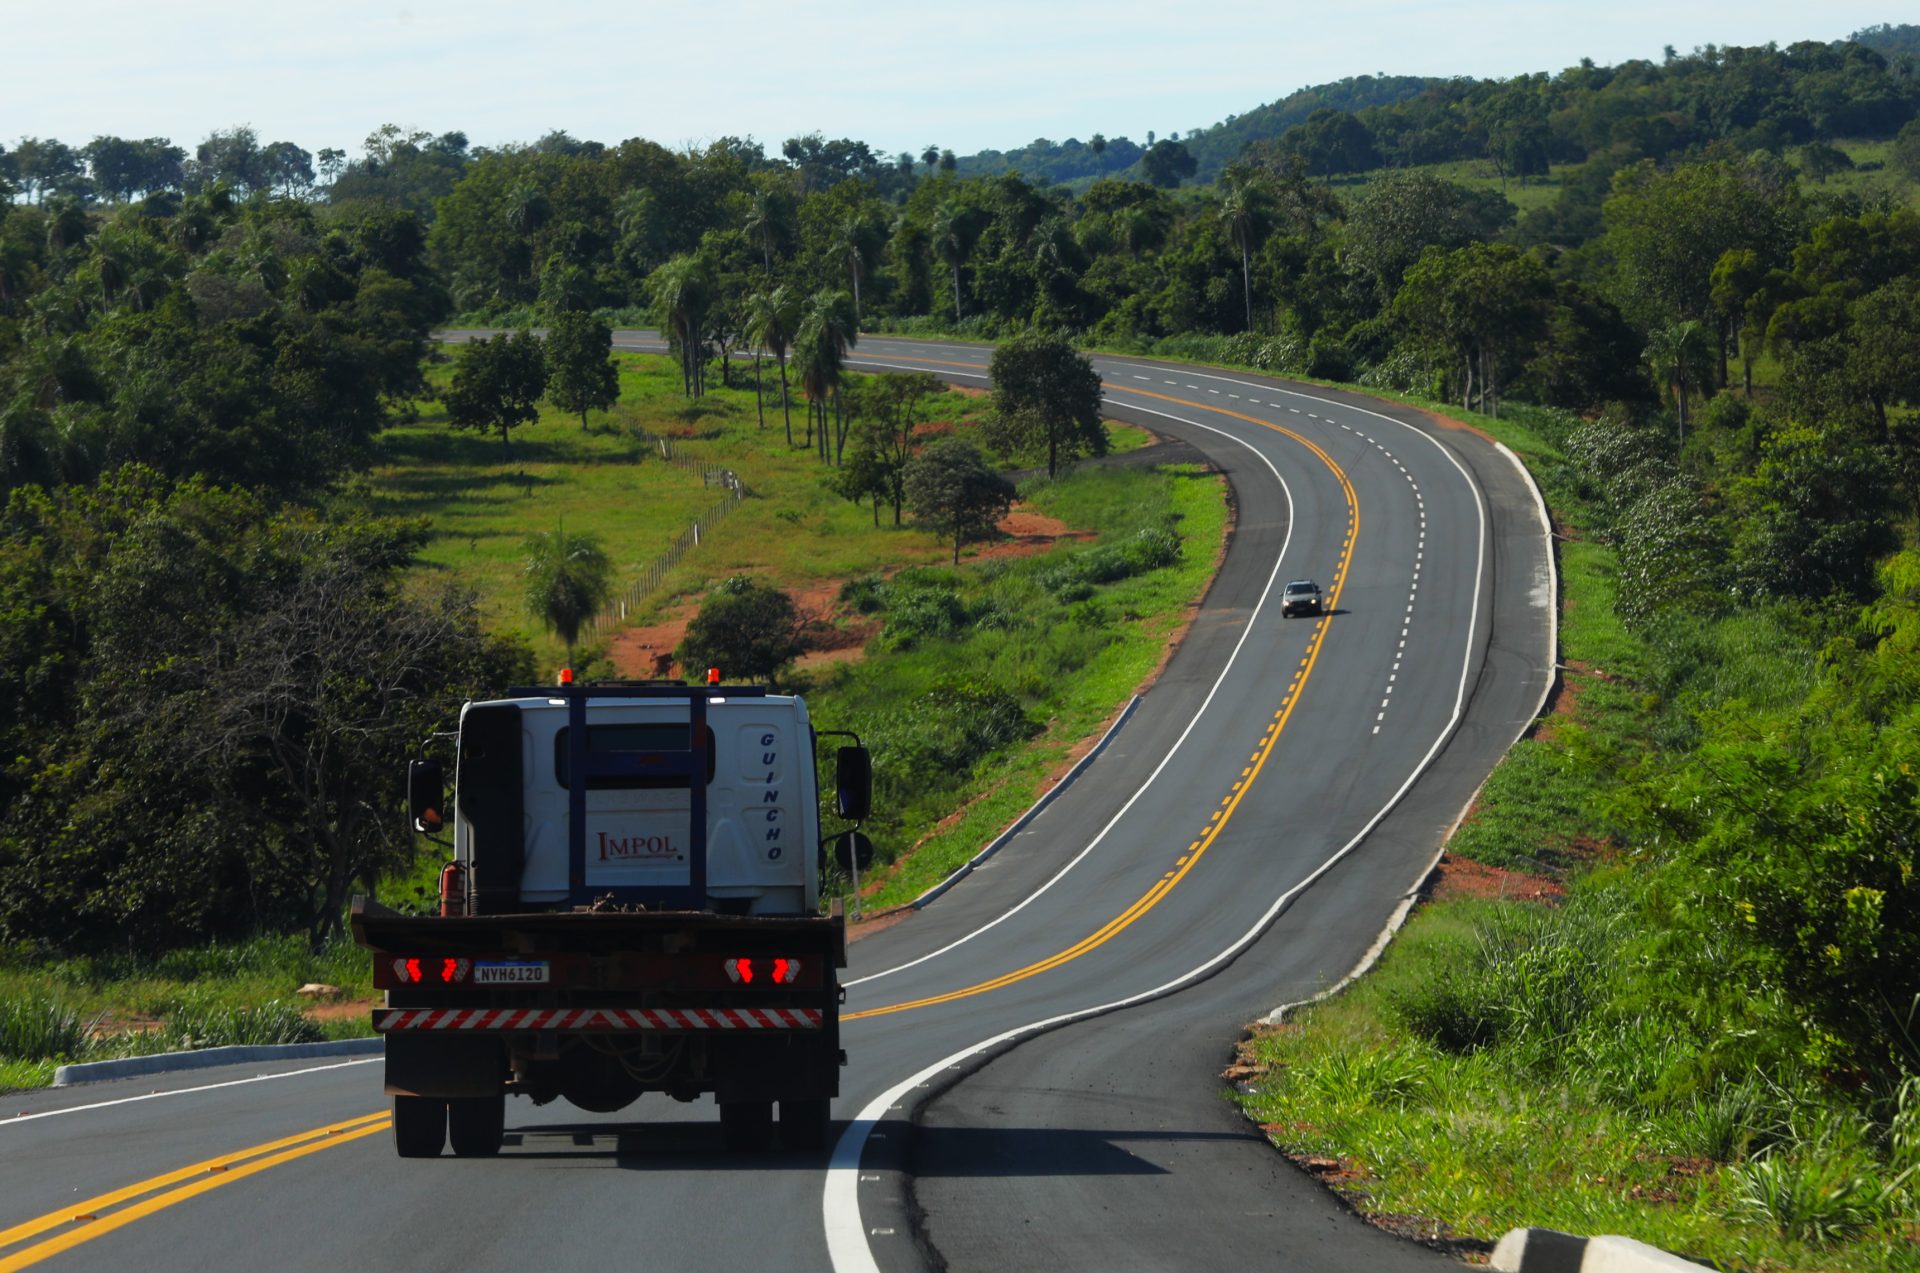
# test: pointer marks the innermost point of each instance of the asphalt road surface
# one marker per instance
(1034, 1059)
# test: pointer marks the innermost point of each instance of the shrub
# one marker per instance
(1382, 1076)
(922, 614)
(1725, 1126)
(865, 594)
(1810, 1194)
(746, 628)
(33, 1028)
(1074, 578)
(195, 1025)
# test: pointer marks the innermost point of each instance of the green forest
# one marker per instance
(1689, 288)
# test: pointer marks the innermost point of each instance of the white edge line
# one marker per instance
(1134, 799)
(847, 1246)
(183, 1091)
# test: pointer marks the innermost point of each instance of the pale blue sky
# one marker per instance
(990, 73)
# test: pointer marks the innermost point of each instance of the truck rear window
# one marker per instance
(644, 739)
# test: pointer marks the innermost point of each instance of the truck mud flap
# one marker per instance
(428, 1065)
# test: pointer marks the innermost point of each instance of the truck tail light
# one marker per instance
(431, 971)
(774, 972)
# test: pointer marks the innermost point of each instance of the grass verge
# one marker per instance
(94, 1008)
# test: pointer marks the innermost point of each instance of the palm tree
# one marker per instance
(568, 579)
(763, 222)
(930, 156)
(826, 334)
(527, 209)
(1682, 357)
(850, 245)
(771, 319)
(950, 225)
(633, 218)
(682, 291)
(1239, 209)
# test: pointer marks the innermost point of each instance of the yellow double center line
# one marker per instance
(84, 1221)
(1168, 882)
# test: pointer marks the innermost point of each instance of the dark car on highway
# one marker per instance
(1301, 597)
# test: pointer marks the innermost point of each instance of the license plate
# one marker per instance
(517, 972)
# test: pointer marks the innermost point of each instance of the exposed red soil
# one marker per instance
(341, 1009)
(1461, 426)
(1566, 703)
(1461, 877)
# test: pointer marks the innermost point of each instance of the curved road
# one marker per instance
(1034, 1058)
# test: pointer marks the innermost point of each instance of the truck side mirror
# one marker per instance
(426, 795)
(851, 847)
(853, 784)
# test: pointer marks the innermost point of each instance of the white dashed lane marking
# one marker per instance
(1419, 558)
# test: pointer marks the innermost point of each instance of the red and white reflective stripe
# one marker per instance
(605, 1020)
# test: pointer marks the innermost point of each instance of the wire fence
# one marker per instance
(654, 573)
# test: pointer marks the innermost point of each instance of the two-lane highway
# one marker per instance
(1034, 1057)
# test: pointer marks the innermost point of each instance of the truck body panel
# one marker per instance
(640, 914)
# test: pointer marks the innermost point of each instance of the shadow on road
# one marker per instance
(1043, 1151)
(671, 1146)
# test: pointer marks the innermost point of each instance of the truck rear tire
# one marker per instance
(419, 1126)
(475, 1125)
(804, 1123)
(747, 1126)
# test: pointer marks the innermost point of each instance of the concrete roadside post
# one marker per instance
(1550, 1251)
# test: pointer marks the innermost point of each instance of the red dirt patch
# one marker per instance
(1448, 422)
(340, 1009)
(1566, 703)
(1462, 877)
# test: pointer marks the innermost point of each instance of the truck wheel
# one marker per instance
(475, 1124)
(419, 1126)
(804, 1124)
(746, 1125)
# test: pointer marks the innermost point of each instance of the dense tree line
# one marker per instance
(209, 664)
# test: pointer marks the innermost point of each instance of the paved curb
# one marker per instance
(1550, 1251)
(207, 1058)
(1000, 841)
(1553, 578)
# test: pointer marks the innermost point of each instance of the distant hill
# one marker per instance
(1744, 94)
(1214, 148)
(1890, 42)
(1058, 163)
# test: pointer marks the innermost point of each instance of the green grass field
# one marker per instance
(609, 482)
